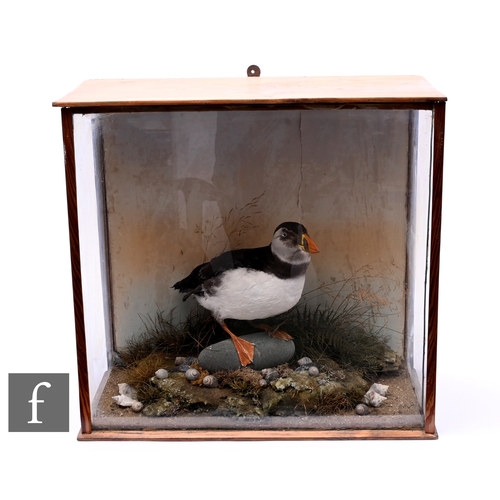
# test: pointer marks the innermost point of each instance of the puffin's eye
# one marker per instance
(284, 234)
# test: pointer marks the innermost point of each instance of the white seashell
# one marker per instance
(313, 371)
(124, 400)
(374, 399)
(161, 373)
(210, 381)
(126, 390)
(304, 361)
(263, 382)
(137, 406)
(192, 374)
(362, 409)
(380, 389)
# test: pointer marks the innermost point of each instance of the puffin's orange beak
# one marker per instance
(308, 244)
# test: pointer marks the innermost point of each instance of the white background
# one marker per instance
(48, 48)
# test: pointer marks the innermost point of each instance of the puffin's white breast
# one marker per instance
(248, 294)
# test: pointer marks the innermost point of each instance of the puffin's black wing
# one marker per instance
(251, 258)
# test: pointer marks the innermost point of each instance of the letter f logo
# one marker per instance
(34, 403)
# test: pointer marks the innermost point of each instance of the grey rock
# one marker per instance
(269, 352)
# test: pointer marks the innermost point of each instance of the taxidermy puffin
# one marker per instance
(253, 283)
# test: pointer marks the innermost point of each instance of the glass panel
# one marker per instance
(92, 249)
(418, 249)
(162, 192)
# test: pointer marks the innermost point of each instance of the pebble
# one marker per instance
(269, 352)
(362, 409)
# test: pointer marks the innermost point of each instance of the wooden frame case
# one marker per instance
(249, 94)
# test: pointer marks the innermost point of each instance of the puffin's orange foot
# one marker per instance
(276, 333)
(244, 348)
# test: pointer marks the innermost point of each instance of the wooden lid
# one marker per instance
(254, 90)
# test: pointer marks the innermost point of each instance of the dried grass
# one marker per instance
(232, 226)
(165, 335)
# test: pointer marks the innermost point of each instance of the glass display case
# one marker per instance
(188, 203)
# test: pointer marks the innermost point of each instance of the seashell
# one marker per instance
(161, 373)
(380, 389)
(263, 382)
(313, 371)
(182, 368)
(362, 409)
(126, 390)
(210, 381)
(374, 399)
(124, 400)
(304, 361)
(192, 374)
(137, 406)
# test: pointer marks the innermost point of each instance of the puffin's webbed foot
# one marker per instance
(244, 348)
(275, 332)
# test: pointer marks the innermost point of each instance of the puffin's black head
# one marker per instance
(292, 244)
